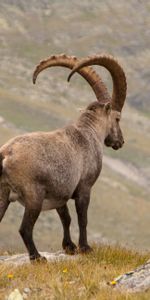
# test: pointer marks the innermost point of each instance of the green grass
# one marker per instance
(86, 277)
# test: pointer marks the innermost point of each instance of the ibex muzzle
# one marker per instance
(114, 138)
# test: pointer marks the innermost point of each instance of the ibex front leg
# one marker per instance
(67, 243)
(82, 203)
(4, 199)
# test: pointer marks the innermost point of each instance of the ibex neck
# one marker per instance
(89, 123)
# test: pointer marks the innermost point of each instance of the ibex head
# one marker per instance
(114, 138)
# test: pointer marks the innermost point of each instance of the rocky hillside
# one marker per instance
(32, 30)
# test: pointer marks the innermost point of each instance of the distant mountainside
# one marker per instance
(32, 30)
(35, 28)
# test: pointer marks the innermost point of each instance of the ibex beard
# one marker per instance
(43, 170)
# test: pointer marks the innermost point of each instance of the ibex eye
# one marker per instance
(117, 119)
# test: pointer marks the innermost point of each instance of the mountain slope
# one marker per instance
(33, 30)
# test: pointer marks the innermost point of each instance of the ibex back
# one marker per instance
(43, 170)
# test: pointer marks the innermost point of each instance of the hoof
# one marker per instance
(70, 248)
(85, 249)
(38, 259)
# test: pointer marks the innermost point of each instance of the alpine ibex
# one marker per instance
(46, 169)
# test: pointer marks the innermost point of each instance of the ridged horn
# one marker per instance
(70, 62)
(117, 73)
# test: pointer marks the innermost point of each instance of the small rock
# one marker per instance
(15, 295)
(137, 280)
(27, 290)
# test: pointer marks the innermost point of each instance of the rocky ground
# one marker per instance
(20, 259)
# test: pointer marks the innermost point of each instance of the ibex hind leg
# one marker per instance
(67, 244)
(4, 199)
(33, 205)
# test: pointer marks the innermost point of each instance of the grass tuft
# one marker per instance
(83, 278)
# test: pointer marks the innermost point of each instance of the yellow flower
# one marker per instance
(65, 270)
(113, 282)
(10, 276)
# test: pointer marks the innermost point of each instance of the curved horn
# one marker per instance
(88, 73)
(117, 73)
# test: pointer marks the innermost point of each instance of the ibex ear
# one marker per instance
(107, 107)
